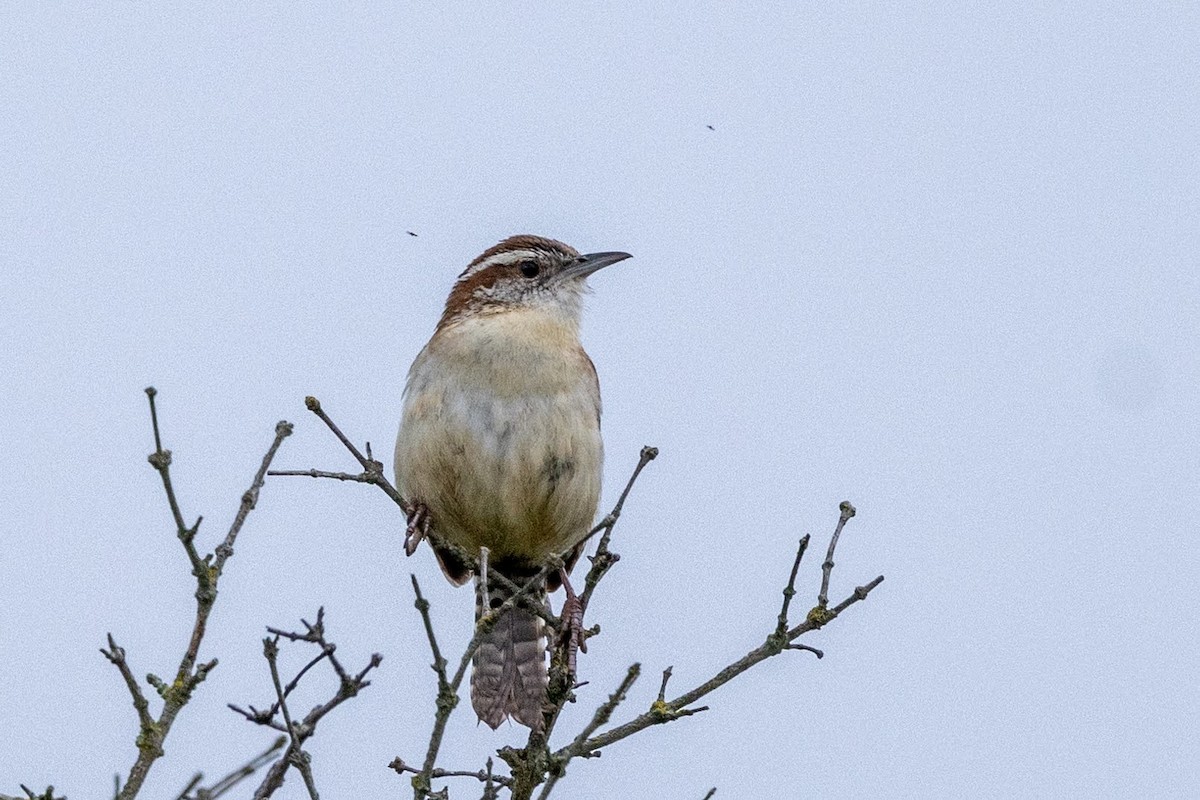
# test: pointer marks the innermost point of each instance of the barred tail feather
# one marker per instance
(508, 678)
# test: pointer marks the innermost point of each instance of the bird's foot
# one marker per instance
(418, 527)
(572, 635)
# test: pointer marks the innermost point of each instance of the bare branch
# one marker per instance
(661, 712)
(160, 459)
(648, 454)
(116, 655)
(187, 790)
(439, 663)
(806, 648)
(372, 470)
(361, 477)
(373, 474)
(300, 731)
(848, 511)
(207, 572)
(600, 718)
(677, 707)
(295, 755)
(662, 689)
(483, 776)
(789, 591)
(235, 777)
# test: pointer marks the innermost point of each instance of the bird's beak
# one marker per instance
(587, 264)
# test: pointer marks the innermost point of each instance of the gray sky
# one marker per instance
(938, 261)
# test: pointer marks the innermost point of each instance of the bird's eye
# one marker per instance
(530, 269)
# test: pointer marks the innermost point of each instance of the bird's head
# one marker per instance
(525, 272)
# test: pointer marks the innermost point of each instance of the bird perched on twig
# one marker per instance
(499, 446)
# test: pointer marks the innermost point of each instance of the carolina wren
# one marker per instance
(500, 444)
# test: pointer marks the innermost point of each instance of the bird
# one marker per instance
(499, 449)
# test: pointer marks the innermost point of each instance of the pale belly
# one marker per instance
(518, 473)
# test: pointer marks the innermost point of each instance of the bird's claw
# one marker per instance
(574, 637)
(418, 527)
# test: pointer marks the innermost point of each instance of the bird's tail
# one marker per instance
(509, 675)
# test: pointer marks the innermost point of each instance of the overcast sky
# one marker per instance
(941, 262)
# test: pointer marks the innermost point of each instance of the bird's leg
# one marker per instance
(573, 635)
(418, 526)
(482, 580)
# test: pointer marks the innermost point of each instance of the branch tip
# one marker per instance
(662, 690)
(846, 512)
(813, 650)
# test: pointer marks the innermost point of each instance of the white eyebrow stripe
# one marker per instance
(500, 259)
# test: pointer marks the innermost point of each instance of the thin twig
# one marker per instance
(439, 663)
(806, 648)
(116, 655)
(709, 794)
(246, 770)
(373, 474)
(299, 732)
(315, 634)
(483, 776)
(361, 477)
(235, 777)
(647, 455)
(160, 459)
(602, 560)
(372, 469)
(187, 790)
(207, 571)
(678, 706)
(662, 689)
(789, 591)
(847, 511)
(491, 786)
(295, 755)
(660, 712)
(600, 718)
(294, 682)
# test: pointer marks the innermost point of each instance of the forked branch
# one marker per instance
(300, 731)
(782, 638)
(194, 790)
(207, 571)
